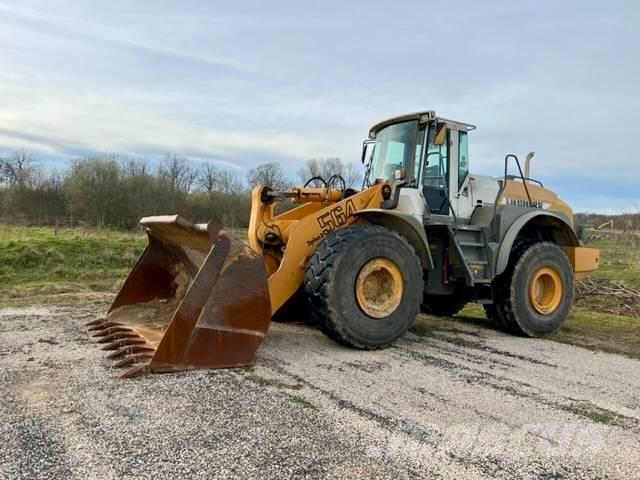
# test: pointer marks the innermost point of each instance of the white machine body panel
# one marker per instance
(412, 203)
(478, 190)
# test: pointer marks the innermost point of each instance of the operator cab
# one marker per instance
(428, 155)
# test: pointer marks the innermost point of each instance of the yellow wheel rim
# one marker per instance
(545, 290)
(379, 287)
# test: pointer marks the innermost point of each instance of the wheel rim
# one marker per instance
(379, 287)
(545, 290)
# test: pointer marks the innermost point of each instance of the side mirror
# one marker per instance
(441, 134)
(367, 151)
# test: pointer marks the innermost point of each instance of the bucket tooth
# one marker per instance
(111, 330)
(103, 325)
(130, 350)
(95, 322)
(131, 359)
(123, 343)
(98, 326)
(118, 336)
(136, 371)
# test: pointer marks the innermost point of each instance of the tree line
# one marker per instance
(115, 190)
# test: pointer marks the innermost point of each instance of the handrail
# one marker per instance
(506, 165)
(504, 184)
(526, 179)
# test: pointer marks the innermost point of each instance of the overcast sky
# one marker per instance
(241, 83)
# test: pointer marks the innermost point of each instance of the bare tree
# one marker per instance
(228, 182)
(177, 173)
(133, 167)
(353, 175)
(212, 179)
(208, 177)
(18, 167)
(269, 174)
(328, 167)
(3, 174)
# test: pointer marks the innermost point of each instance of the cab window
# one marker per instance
(436, 163)
(418, 156)
(393, 153)
(463, 158)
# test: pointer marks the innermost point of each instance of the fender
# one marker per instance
(562, 234)
(404, 224)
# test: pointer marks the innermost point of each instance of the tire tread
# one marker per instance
(320, 274)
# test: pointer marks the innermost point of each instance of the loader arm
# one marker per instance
(287, 240)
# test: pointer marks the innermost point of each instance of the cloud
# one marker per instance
(242, 83)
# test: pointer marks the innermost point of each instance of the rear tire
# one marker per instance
(534, 295)
(364, 286)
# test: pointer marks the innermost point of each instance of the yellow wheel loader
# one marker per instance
(423, 234)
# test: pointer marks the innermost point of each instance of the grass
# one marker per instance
(619, 261)
(37, 261)
(601, 415)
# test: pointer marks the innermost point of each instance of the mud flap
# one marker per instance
(196, 298)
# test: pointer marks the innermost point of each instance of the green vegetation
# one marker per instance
(601, 415)
(615, 286)
(620, 260)
(272, 382)
(302, 402)
(37, 261)
(116, 190)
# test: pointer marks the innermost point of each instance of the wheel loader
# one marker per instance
(422, 234)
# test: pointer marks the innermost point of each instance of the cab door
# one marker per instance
(436, 171)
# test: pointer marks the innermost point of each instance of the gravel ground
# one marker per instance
(453, 401)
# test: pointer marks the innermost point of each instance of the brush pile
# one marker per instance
(611, 296)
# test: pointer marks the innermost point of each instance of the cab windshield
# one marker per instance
(395, 152)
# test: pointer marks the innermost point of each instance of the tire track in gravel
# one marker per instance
(493, 467)
(515, 388)
(458, 366)
(450, 402)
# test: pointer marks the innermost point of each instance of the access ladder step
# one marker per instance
(472, 228)
(479, 263)
(471, 244)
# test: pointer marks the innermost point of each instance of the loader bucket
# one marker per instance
(196, 298)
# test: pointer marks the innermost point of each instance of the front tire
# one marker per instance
(364, 286)
(534, 295)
